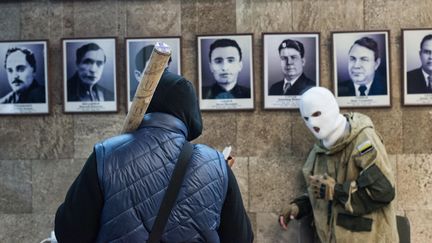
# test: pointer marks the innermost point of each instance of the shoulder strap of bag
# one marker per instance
(171, 193)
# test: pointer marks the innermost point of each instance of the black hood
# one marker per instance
(176, 96)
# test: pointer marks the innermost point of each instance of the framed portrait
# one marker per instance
(89, 75)
(138, 51)
(225, 72)
(24, 77)
(361, 68)
(290, 66)
(417, 66)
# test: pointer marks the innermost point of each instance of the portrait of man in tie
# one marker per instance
(361, 68)
(225, 71)
(291, 66)
(363, 62)
(292, 61)
(417, 66)
(419, 80)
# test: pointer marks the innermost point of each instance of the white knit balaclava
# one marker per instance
(320, 111)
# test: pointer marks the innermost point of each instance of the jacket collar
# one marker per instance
(358, 122)
(164, 120)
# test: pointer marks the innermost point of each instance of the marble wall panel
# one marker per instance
(10, 21)
(25, 228)
(189, 65)
(15, 186)
(241, 172)
(153, 18)
(395, 15)
(220, 130)
(91, 128)
(269, 231)
(264, 16)
(189, 23)
(302, 138)
(51, 181)
(414, 181)
(417, 134)
(326, 65)
(95, 18)
(327, 16)
(16, 228)
(396, 73)
(34, 24)
(32, 138)
(274, 182)
(216, 17)
(421, 227)
(264, 134)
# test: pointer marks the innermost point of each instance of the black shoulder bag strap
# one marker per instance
(171, 193)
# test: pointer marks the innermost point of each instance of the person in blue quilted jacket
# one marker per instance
(117, 195)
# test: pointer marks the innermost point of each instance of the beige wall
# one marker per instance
(41, 155)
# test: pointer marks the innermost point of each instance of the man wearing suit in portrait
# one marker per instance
(363, 62)
(83, 85)
(291, 53)
(225, 61)
(20, 66)
(419, 80)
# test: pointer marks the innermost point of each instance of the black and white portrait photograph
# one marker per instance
(417, 66)
(225, 72)
(24, 77)
(89, 75)
(361, 68)
(290, 66)
(138, 52)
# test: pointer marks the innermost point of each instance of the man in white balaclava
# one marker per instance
(350, 181)
(320, 111)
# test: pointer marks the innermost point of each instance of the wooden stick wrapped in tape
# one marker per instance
(149, 81)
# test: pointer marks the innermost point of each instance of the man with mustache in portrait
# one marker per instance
(363, 62)
(20, 66)
(83, 85)
(225, 60)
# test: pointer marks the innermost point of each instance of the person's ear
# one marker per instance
(137, 75)
(241, 65)
(377, 63)
(303, 61)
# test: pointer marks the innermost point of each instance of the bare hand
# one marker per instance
(230, 161)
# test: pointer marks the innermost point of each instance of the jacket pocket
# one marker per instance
(354, 223)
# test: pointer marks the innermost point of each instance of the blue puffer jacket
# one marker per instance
(134, 170)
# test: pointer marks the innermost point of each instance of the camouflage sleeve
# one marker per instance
(373, 188)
